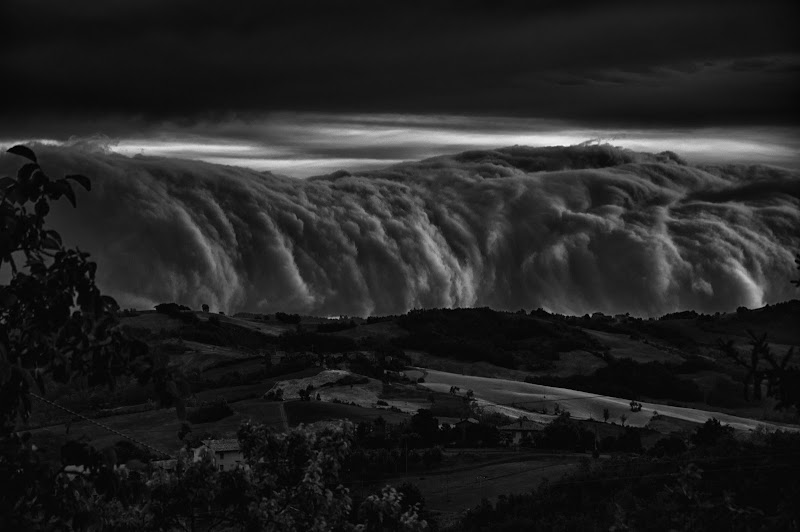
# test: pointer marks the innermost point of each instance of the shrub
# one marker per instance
(287, 318)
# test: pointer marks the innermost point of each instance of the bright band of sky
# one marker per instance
(303, 145)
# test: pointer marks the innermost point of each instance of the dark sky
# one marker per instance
(599, 64)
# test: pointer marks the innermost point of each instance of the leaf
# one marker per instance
(7, 298)
(23, 151)
(25, 173)
(68, 192)
(81, 180)
(42, 208)
(54, 235)
(110, 303)
(50, 243)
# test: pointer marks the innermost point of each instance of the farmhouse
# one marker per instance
(464, 425)
(515, 432)
(226, 453)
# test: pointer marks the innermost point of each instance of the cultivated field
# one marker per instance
(515, 399)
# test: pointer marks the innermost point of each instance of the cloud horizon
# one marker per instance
(570, 229)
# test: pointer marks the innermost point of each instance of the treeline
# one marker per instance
(631, 380)
(383, 449)
(511, 340)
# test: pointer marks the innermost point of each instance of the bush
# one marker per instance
(287, 318)
(672, 445)
(711, 433)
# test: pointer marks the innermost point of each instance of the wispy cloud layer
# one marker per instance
(306, 144)
(568, 229)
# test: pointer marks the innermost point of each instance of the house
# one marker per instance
(464, 425)
(165, 465)
(226, 453)
(515, 432)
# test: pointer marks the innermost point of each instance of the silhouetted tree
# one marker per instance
(754, 376)
(55, 326)
(205, 307)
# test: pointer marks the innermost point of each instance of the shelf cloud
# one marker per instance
(570, 229)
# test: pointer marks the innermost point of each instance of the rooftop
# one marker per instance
(222, 445)
(525, 426)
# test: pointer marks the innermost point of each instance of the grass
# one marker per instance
(622, 346)
(312, 411)
(449, 491)
(581, 405)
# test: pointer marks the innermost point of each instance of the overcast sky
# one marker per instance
(292, 85)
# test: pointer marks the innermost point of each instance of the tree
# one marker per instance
(606, 415)
(711, 433)
(205, 307)
(296, 483)
(55, 326)
(623, 418)
(759, 350)
(292, 481)
(54, 322)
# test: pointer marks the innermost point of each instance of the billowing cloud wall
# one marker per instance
(571, 230)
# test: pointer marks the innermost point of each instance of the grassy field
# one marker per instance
(312, 411)
(622, 346)
(450, 490)
(203, 357)
(160, 427)
(581, 405)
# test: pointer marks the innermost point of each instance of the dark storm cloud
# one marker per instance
(187, 60)
(569, 229)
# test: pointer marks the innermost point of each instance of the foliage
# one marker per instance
(783, 379)
(316, 342)
(287, 318)
(505, 339)
(566, 433)
(749, 485)
(54, 322)
(56, 327)
(291, 481)
(627, 378)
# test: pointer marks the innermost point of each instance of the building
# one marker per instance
(464, 426)
(515, 432)
(165, 465)
(226, 453)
